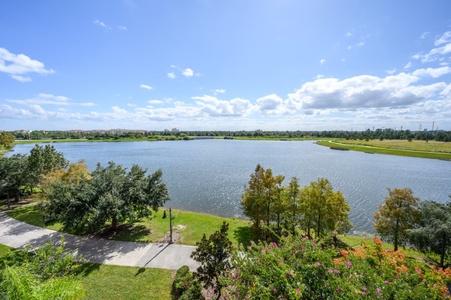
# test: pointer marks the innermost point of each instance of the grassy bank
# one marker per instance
(188, 227)
(436, 150)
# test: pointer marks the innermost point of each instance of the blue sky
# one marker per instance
(225, 65)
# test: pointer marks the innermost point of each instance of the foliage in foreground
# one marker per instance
(185, 286)
(213, 254)
(299, 268)
(42, 273)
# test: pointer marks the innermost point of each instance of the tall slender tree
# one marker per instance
(398, 214)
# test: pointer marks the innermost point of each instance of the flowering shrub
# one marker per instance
(298, 268)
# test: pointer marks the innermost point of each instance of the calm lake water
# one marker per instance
(209, 175)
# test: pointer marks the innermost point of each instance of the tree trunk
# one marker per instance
(442, 253)
(395, 237)
(9, 203)
(114, 222)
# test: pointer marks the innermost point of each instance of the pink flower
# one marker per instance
(298, 291)
(378, 290)
(292, 273)
(348, 264)
(387, 282)
(335, 232)
(318, 263)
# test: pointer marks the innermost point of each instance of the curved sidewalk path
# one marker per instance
(17, 234)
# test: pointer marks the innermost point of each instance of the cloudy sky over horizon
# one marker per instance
(225, 65)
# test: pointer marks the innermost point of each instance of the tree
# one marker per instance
(261, 196)
(291, 196)
(42, 161)
(433, 232)
(323, 209)
(12, 175)
(87, 202)
(7, 140)
(398, 214)
(213, 254)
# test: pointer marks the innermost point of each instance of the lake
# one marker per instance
(209, 175)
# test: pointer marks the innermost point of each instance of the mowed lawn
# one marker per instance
(430, 146)
(188, 227)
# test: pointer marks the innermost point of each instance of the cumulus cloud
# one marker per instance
(17, 65)
(271, 105)
(348, 34)
(322, 61)
(145, 86)
(212, 106)
(408, 65)
(123, 28)
(171, 75)
(363, 91)
(432, 72)
(188, 72)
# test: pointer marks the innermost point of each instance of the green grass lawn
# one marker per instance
(414, 149)
(188, 227)
(115, 282)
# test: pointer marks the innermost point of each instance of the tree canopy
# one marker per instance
(433, 231)
(87, 202)
(398, 214)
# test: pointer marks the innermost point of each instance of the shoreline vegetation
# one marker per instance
(418, 148)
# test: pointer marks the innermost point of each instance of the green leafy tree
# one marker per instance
(433, 232)
(7, 140)
(42, 161)
(323, 209)
(261, 196)
(398, 214)
(291, 196)
(12, 172)
(214, 255)
(109, 194)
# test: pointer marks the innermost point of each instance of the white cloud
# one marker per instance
(408, 65)
(424, 35)
(21, 78)
(188, 72)
(444, 39)
(363, 91)
(219, 91)
(145, 86)
(322, 61)
(171, 75)
(432, 72)
(270, 104)
(348, 34)
(358, 45)
(131, 105)
(49, 99)
(101, 24)
(437, 54)
(123, 28)
(19, 64)
(155, 102)
(212, 106)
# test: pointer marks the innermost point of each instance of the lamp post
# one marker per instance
(170, 226)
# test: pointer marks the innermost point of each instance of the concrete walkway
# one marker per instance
(17, 234)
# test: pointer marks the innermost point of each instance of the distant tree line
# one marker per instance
(380, 134)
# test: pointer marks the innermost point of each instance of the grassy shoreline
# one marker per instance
(388, 149)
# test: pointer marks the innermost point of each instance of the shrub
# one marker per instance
(299, 268)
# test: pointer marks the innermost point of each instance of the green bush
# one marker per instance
(185, 286)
